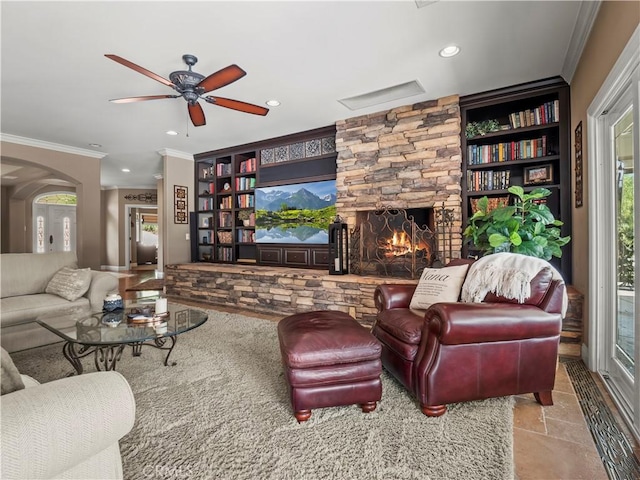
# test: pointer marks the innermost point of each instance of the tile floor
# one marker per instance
(549, 442)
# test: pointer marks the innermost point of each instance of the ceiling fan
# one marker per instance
(192, 86)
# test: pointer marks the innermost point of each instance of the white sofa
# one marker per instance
(23, 280)
(67, 428)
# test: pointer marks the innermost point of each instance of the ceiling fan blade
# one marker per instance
(237, 105)
(141, 99)
(221, 78)
(139, 69)
(197, 114)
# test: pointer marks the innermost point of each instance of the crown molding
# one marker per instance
(584, 23)
(168, 152)
(30, 142)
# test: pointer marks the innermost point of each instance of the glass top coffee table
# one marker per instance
(107, 334)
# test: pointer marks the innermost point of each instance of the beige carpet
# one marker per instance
(223, 412)
(152, 284)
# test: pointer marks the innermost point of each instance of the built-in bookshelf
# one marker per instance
(528, 145)
(227, 181)
(225, 215)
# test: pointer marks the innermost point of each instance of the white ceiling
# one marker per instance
(56, 81)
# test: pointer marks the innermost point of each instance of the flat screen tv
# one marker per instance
(298, 213)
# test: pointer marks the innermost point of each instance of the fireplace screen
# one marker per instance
(391, 243)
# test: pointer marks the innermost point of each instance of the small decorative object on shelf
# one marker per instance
(481, 128)
(338, 247)
(112, 302)
(538, 174)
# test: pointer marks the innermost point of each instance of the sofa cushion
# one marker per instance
(28, 273)
(70, 283)
(29, 307)
(438, 285)
(11, 379)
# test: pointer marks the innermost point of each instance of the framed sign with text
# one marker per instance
(578, 146)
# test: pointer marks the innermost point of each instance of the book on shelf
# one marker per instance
(225, 254)
(246, 200)
(488, 180)
(507, 151)
(223, 169)
(245, 236)
(548, 112)
(245, 183)
(225, 219)
(248, 166)
(226, 202)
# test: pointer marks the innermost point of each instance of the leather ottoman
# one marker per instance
(329, 360)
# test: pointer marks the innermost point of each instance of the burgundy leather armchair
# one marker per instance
(458, 352)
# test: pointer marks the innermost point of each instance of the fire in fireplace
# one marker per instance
(393, 242)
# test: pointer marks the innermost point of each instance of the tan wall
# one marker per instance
(611, 31)
(175, 246)
(4, 214)
(84, 173)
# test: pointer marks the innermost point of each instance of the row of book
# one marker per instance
(507, 151)
(245, 200)
(488, 180)
(223, 169)
(206, 204)
(248, 166)
(549, 112)
(225, 219)
(225, 254)
(226, 202)
(246, 236)
(245, 183)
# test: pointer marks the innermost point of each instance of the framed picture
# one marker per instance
(538, 174)
(578, 147)
(180, 204)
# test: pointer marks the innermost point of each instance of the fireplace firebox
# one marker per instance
(393, 242)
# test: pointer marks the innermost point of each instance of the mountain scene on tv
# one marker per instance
(298, 213)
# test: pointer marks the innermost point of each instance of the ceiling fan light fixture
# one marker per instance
(272, 103)
(449, 51)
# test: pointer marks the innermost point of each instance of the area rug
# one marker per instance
(152, 284)
(223, 412)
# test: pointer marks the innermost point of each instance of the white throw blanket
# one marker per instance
(508, 275)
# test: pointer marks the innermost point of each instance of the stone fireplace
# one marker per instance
(393, 242)
(405, 158)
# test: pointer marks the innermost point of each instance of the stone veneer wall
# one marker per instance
(276, 290)
(408, 157)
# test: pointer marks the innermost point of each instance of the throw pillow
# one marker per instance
(69, 283)
(438, 285)
(11, 379)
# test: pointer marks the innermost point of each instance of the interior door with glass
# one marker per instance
(621, 354)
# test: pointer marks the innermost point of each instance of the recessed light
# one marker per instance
(171, 132)
(449, 51)
(272, 103)
(126, 170)
(95, 145)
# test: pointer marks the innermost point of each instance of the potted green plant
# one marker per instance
(245, 217)
(527, 227)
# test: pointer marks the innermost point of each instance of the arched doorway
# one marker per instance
(54, 222)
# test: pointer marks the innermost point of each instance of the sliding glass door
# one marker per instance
(621, 366)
